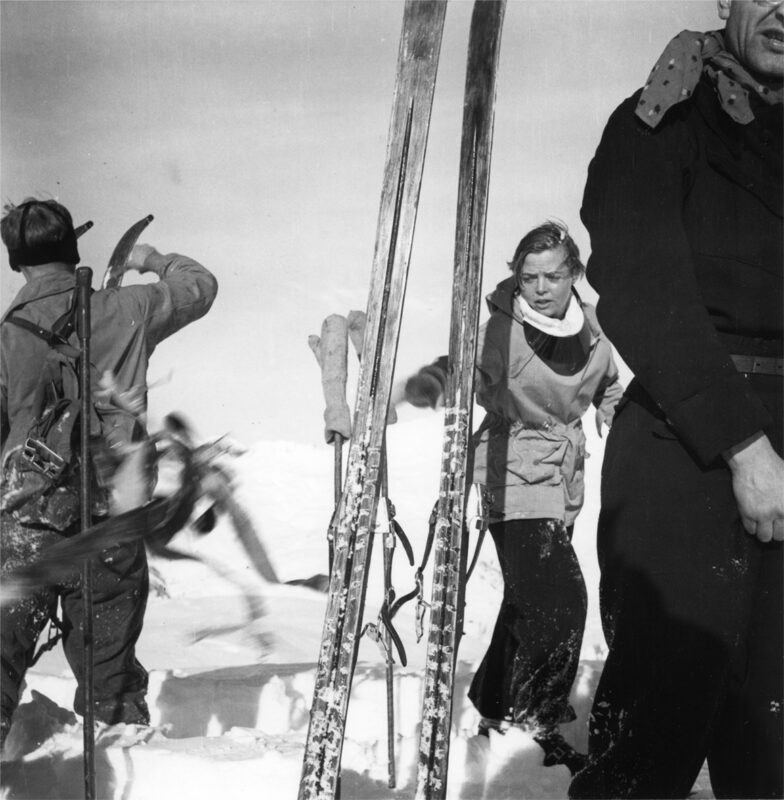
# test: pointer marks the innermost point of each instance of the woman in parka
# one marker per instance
(541, 361)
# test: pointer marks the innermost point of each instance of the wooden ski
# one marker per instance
(420, 44)
(447, 600)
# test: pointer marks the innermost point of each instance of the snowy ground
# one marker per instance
(230, 690)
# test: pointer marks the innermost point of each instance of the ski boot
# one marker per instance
(487, 724)
(558, 751)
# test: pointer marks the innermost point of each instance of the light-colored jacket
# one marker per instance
(529, 451)
(127, 323)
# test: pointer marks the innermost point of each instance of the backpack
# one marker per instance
(40, 474)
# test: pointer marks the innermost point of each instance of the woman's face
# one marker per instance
(545, 282)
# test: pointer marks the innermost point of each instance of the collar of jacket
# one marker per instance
(502, 299)
(687, 59)
(39, 288)
(738, 151)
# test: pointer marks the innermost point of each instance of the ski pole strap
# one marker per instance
(373, 631)
(421, 610)
(479, 499)
(479, 540)
(391, 530)
(431, 535)
(418, 590)
(386, 620)
(387, 525)
(393, 605)
(401, 535)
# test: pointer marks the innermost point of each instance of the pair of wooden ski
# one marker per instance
(357, 507)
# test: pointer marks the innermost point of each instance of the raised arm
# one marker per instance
(184, 292)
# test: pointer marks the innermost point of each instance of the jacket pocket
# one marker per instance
(536, 458)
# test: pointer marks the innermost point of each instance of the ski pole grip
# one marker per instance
(331, 351)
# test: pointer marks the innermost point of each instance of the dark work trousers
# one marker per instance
(120, 588)
(528, 670)
(692, 612)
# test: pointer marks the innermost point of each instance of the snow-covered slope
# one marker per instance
(232, 659)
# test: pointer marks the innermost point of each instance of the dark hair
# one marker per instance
(548, 236)
(38, 231)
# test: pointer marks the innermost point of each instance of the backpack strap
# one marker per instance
(62, 328)
(65, 325)
(55, 340)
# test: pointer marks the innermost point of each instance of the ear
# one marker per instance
(723, 7)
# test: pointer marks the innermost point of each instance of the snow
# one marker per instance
(231, 680)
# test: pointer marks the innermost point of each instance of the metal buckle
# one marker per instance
(373, 631)
(43, 459)
(758, 365)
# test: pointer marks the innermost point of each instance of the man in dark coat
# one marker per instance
(684, 207)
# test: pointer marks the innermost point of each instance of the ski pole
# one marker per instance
(331, 350)
(337, 482)
(389, 544)
(84, 277)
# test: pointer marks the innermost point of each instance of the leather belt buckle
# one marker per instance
(758, 365)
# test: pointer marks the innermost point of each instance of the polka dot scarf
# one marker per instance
(678, 70)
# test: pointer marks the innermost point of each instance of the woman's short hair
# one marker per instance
(548, 236)
(38, 231)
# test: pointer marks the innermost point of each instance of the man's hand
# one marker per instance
(757, 482)
(138, 256)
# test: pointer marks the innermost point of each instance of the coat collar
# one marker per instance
(38, 288)
(502, 299)
(741, 152)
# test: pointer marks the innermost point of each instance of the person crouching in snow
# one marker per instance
(541, 361)
(127, 324)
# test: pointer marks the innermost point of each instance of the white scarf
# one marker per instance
(571, 324)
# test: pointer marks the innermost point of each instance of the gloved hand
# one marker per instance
(330, 350)
(138, 256)
(425, 389)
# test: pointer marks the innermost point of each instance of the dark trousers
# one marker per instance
(120, 588)
(692, 612)
(528, 670)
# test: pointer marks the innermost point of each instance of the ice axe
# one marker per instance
(83, 228)
(113, 276)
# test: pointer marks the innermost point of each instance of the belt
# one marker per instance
(759, 365)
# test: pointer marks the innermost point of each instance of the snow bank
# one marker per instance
(232, 659)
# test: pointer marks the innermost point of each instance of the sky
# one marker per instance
(255, 133)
